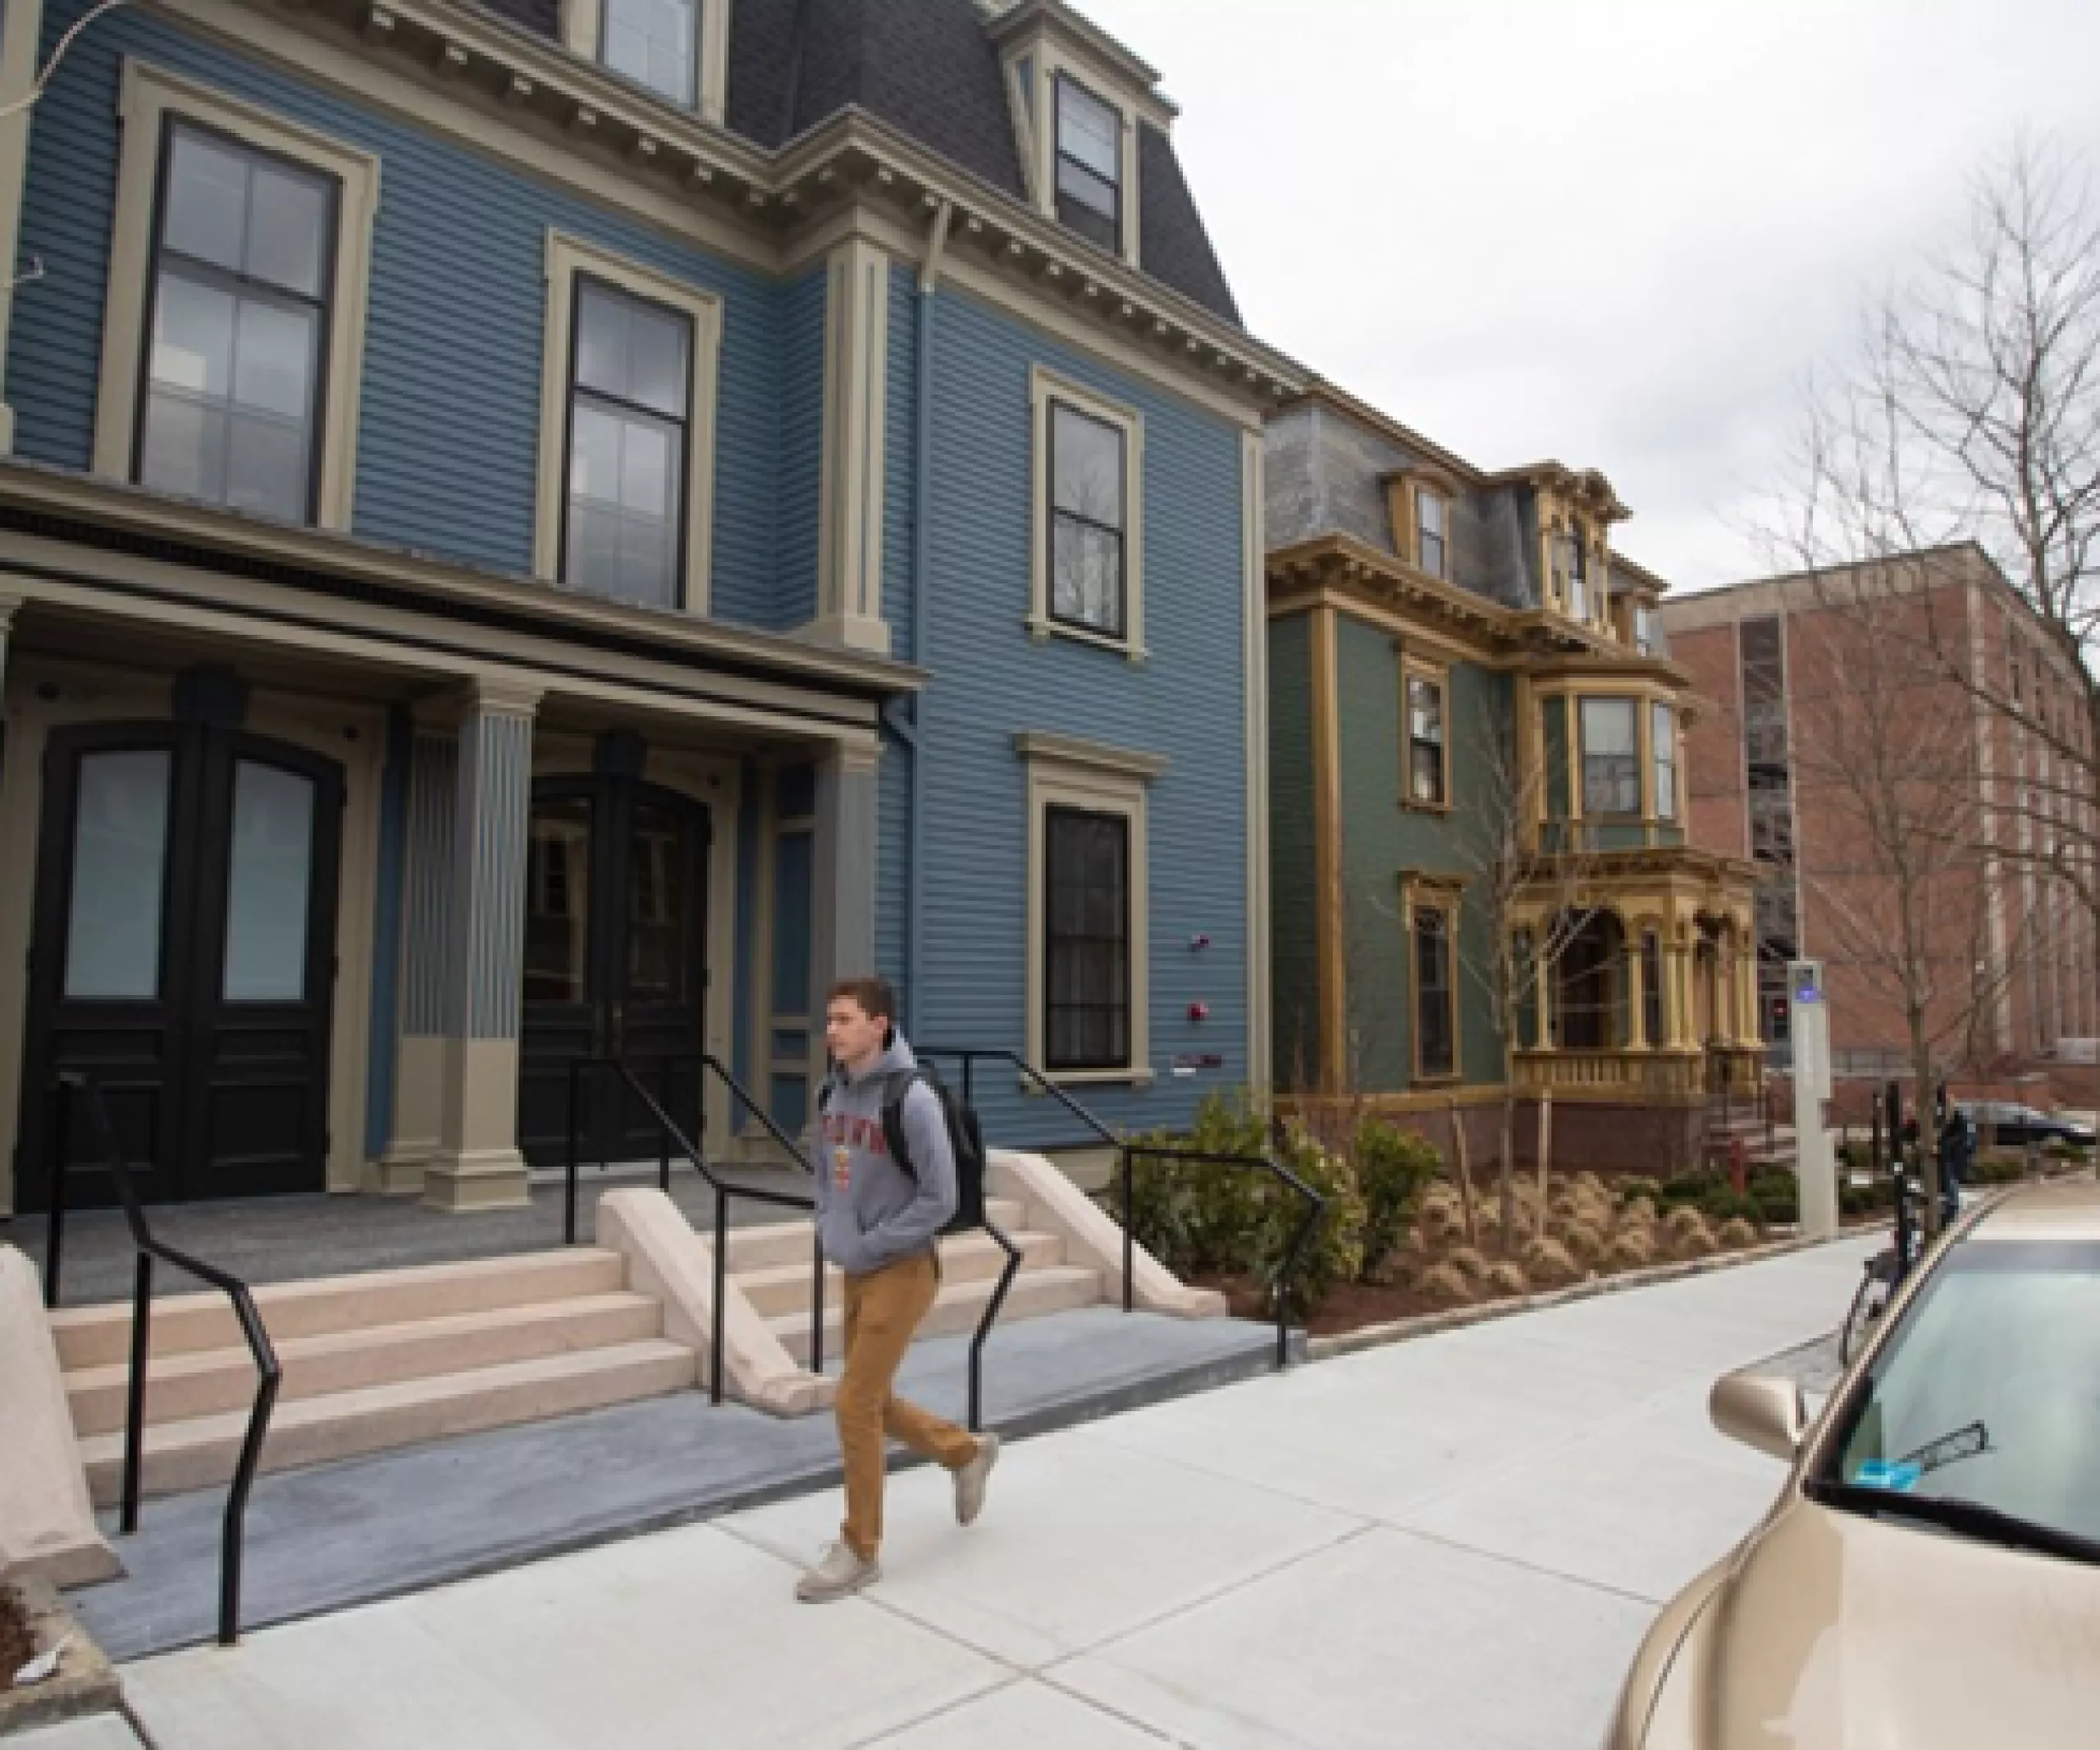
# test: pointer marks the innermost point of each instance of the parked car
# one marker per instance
(1929, 1576)
(2012, 1126)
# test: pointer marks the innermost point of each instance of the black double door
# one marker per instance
(615, 966)
(184, 951)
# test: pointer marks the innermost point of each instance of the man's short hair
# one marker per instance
(878, 1001)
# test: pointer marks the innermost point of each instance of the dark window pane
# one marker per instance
(629, 351)
(1611, 757)
(1087, 576)
(659, 856)
(1086, 466)
(1089, 165)
(1086, 955)
(558, 902)
(654, 42)
(288, 220)
(206, 201)
(1432, 985)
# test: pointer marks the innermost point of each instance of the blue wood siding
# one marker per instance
(992, 681)
(447, 445)
(801, 451)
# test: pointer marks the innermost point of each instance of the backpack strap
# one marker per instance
(896, 1088)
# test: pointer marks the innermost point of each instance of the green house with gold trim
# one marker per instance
(1478, 801)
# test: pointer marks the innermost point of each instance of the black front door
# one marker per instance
(184, 950)
(616, 964)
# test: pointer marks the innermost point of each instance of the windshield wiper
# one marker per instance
(1969, 1519)
(1951, 1449)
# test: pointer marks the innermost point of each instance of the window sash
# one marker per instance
(253, 303)
(1086, 946)
(1424, 741)
(632, 46)
(1432, 548)
(1611, 758)
(1662, 730)
(1088, 548)
(1089, 163)
(611, 545)
(1435, 1023)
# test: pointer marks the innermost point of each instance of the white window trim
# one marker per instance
(1070, 773)
(147, 96)
(1037, 125)
(1047, 386)
(568, 256)
(582, 28)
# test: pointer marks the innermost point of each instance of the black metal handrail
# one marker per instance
(673, 1135)
(1130, 1152)
(271, 1375)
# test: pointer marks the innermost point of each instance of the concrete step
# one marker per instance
(965, 1258)
(184, 1387)
(201, 1451)
(777, 1243)
(1058, 1288)
(101, 1336)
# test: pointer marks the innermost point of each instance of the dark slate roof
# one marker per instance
(1173, 246)
(929, 68)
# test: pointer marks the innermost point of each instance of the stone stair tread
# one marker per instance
(1052, 1280)
(187, 1364)
(968, 1246)
(88, 1335)
(229, 1426)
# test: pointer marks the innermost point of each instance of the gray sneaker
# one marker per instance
(970, 1480)
(839, 1575)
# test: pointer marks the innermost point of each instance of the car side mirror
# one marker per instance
(1760, 1411)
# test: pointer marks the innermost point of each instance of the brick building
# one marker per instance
(1795, 666)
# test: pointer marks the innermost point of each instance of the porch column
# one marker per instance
(1677, 1019)
(1636, 1007)
(427, 908)
(477, 1165)
(843, 859)
(1747, 1028)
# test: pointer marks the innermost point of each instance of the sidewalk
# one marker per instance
(1455, 1542)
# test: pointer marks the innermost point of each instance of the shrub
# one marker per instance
(1725, 1203)
(1334, 1253)
(1549, 1264)
(1776, 1196)
(1737, 1234)
(1198, 1218)
(1998, 1169)
(1394, 1169)
(1507, 1278)
(1689, 1188)
(1445, 1284)
(1629, 1189)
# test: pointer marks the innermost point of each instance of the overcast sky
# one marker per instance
(1617, 233)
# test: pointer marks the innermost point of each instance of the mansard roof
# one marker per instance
(931, 68)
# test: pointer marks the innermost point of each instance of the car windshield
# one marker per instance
(1989, 1391)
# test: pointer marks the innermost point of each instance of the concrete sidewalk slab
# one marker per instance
(1102, 1535)
(1388, 1638)
(1025, 1716)
(685, 1638)
(99, 1732)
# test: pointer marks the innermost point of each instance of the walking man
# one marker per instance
(878, 1221)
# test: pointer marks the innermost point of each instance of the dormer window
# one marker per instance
(1089, 148)
(1432, 513)
(677, 49)
(656, 43)
(1574, 578)
(1647, 630)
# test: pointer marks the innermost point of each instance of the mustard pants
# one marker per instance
(883, 1310)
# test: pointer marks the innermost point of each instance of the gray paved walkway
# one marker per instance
(1456, 1541)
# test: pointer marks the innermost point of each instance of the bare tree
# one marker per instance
(1530, 897)
(1968, 416)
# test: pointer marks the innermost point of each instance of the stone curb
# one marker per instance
(85, 1682)
(1430, 1324)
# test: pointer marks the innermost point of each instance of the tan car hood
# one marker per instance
(1838, 1632)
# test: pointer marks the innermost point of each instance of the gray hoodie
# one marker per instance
(870, 1211)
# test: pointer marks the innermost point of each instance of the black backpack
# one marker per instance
(966, 1141)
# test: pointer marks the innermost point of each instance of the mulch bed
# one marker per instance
(17, 1647)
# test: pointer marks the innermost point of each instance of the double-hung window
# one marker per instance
(1432, 513)
(1611, 758)
(1436, 1019)
(656, 43)
(627, 430)
(1426, 767)
(243, 267)
(1087, 940)
(1576, 572)
(1662, 730)
(1088, 513)
(1089, 164)
(629, 412)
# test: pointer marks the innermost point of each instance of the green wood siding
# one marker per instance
(1294, 946)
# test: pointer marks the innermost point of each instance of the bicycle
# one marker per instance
(1884, 1273)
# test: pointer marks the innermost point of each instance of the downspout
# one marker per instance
(914, 733)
